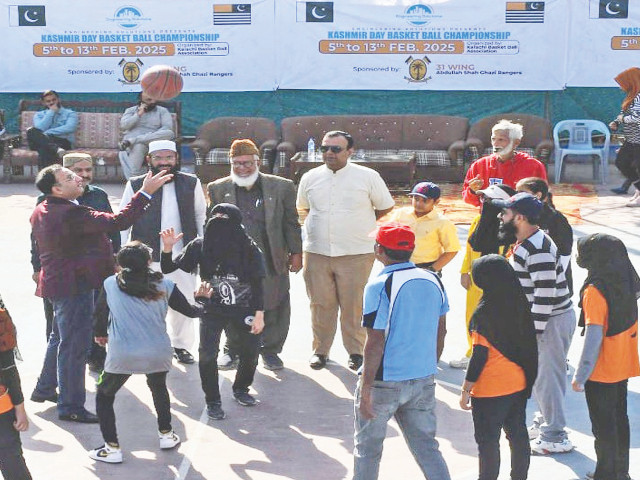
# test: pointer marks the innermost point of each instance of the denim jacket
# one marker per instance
(62, 123)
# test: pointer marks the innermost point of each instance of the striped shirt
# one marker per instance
(631, 121)
(538, 267)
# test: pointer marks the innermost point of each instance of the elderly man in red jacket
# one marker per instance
(504, 166)
(75, 256)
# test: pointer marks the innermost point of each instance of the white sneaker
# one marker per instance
(534, 428)
(541, 447)
(634, 202)
(462, 363)
(168, 440)
(226, 362)
(107, 454)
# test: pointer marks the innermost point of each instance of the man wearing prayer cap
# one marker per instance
(181, 205)
(268, 205)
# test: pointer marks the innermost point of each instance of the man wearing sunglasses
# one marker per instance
(342, 201)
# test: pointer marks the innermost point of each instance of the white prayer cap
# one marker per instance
(162, 145)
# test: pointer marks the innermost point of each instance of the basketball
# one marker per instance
(161, 82)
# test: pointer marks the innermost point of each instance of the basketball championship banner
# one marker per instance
(604, 40)
(435, 45)
(105, 46)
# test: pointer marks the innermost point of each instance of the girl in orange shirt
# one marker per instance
(502, 369)
(609, 358)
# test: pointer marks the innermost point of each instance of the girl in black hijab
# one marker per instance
(233, 264)
(502, 369)
(609, 315)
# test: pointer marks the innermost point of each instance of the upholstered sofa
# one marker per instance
(211, 146)
(436, 141)
(98, 134)
(536, 141)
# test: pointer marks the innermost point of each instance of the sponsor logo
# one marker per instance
(128, 17)
(27, 16)
(417, 69)
(314, 12)
(232, 14)
(524, 12)
(418, 14)
(130, 71)
(609, 9)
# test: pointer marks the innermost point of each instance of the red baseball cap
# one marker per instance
(395, 236)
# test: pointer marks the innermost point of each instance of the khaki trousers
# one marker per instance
(332, 283)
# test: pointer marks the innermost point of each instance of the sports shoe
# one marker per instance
(106, 453)
(168, 440)
(534, 428)
(214, 411)
(227, 362)
(272, 361)
(183, 356)
(462, 363)
(541, 447)
(355, 361)
(245, 399)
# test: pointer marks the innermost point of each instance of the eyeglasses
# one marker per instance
(333, 148)
(248, 163)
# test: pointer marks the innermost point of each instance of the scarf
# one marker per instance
(611, 272)
(503, 315)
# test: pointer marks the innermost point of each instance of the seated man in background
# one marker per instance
(52, 131)
(504, 166)
(143, 123)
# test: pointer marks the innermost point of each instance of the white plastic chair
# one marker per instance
(580, 142)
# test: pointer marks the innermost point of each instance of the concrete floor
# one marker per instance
(302, 428)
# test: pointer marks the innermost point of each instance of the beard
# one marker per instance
(504, 152)
(245, 182)
(507, 233)
(173, 170)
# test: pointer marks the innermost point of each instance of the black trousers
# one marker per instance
(490, 416)
(12, 464)
(247, 347)
(607, 404)
(276, 329)
(46, 146)
(107, 387)
(628, 162)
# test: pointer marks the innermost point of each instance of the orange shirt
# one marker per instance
(618, 358)
(500, 376)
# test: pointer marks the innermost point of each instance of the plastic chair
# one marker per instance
(580, 142)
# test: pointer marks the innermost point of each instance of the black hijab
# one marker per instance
(485, 238)
(226, 247)
(503, 315)
(611, 272)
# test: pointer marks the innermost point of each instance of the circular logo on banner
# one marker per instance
(418, 14)
(130, 71)
(417, 69)
(128, 16)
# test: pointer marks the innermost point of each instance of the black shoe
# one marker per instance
(272, 361)
(183, 356)
(318, 361)
(214, 411)
(620, 190)
(355, 361)
(124, 144)
(96, 367)
(245, 399)
(44, 398)
(82, 417)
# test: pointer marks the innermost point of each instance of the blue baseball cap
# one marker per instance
(426, 190)
(523, 203)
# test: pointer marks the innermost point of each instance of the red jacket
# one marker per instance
(75, 252)
(491, 170)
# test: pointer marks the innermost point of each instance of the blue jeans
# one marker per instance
(66, 355)
(412, 403)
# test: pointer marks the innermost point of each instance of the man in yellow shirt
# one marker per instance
(436, 237)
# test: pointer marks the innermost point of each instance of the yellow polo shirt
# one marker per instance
(435, 234)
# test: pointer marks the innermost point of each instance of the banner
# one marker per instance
(438, 45)
(604, 40)
(105, 46)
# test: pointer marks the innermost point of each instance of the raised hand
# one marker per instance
(152, 183)
(169, 239)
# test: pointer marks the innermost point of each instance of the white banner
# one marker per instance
(440, 45)
(105, 46)
(604, 40)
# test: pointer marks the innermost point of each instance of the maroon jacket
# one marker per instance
(75, 252)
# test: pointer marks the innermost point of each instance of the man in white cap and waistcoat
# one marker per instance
(181, 205)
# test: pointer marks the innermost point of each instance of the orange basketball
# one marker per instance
(161, 82)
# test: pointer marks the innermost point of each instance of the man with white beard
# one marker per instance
(268, 206)
(504, 166)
